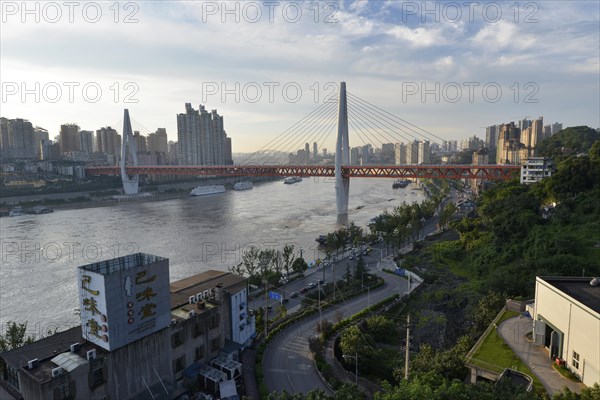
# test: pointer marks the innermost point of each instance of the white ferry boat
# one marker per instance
(245, 185)
(206, 190)
(292, 179)
(16, 211)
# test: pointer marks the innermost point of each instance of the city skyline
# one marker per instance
(387, 55)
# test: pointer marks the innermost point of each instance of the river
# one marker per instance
(40, 253)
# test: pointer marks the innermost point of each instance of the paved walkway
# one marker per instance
(513, 332)
(249, 368)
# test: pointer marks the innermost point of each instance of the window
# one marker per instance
(179, 363)
(62, 392)
(197, 330)
(96, 373)
(214, 321)
(214, 344)
(12, 376)
(199, 353)
(575, 360)
(177, 338)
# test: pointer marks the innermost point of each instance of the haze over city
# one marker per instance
(264, 65)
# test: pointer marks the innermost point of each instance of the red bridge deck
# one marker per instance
(490, 172)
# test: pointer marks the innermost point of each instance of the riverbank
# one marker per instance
(104, 198)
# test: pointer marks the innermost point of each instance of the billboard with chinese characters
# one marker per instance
(124, 299)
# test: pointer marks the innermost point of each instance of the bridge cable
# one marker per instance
(284, 133)
(325, 114)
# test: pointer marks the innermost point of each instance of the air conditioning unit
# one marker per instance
(191, 313)
(56, 372)
(173, 321)
(75, 347)
(192, 299)
(91, 354)
(33, 363)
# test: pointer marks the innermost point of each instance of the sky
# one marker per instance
(451, 68)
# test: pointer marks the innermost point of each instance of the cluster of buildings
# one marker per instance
(514, 143)
(140, 336)
(27, 152)
(20, 140)
(305, 156)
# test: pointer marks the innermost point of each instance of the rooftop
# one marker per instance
(129, 261)
(52, 351)
(578, 288)
(182, 290)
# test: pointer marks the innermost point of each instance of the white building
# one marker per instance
(535, 169)
(566, 322)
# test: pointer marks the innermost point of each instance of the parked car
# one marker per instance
(284, 301)
(304, 290)
(294, 294)
(311, 285)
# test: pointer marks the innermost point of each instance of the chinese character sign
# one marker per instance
(135, 299)
(92, 305)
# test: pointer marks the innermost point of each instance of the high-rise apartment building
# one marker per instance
(400, 153)
(108, 141)
(355, 158)
(387, 153)
(537, 131)
(140, 142)
(412, 152)
(17, 139)
(307, 153)
(491, 136)
(315, 151)
(157, 142)
(424, 152)
(201, 137)
(509, 144)
(172, 155)
(69, 138)
(228, 151)
(86, 141)
(556, 127)
(452, 145)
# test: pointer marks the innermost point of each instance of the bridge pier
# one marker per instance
(342, 157)
(130, 184)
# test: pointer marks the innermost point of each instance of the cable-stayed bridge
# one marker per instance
(369, 123)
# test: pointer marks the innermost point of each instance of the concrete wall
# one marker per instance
(141, 358)
(580, 326)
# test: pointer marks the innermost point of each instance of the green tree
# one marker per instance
(381, 328)
(14, 336)
(299, 266)
(595, 151)
(570, 140)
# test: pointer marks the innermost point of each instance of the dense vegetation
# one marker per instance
(569, 141)
(520, 232)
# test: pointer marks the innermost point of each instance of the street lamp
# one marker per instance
(320, 311)
(355, 366)
(362, 284)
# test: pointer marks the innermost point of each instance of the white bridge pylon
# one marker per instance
(342, 157)
(130, 184)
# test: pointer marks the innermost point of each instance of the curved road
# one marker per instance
(287, 362)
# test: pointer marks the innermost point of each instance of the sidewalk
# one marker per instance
(249, 372)
(513, 332)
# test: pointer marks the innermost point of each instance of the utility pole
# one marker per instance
(406, 360)
(356, 369)
(266, 310)
(333, 277)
